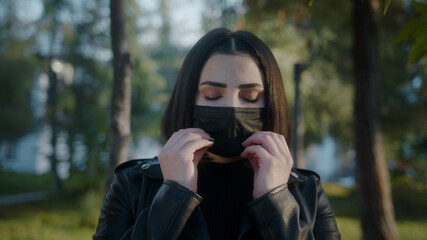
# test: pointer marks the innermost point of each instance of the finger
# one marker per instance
(199, 154)
(178, 134)
(172, 140)
(249, 139)
(281, 144)
(193, 146)
(188, 136)
(255, 154)
(265, 139)
(199, 130)
(255, 151)
(286, 150)
(254, 163)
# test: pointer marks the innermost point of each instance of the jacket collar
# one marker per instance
(151, 168)
(296, 176)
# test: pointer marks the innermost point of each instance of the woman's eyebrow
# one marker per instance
(251, 85)
(214, 84)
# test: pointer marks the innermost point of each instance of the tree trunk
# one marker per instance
(53, 82)
(297, 142)
(374, 187)
(54, 49)
(120, 134)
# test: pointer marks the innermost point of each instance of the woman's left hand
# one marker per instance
(269, 156)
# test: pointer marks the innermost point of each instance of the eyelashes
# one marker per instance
(251, 101)
(212, 98)
(244, 99)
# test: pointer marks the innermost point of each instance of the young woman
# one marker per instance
(225, 171)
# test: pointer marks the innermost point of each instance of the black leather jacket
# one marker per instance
(141, 205)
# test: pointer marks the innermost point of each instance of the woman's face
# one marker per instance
(231, 81)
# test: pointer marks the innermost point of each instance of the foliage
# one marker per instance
(321, 34)
(13, 183)
(317, 35)
(403, 102)
(15, 101)
(82, 105)
(415, 31)
(220, 13)
(17, 71)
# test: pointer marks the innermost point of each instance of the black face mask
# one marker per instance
(229, 127)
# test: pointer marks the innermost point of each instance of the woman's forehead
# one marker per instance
(231, 69)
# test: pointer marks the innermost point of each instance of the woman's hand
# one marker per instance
(269, 156)
(181, 154)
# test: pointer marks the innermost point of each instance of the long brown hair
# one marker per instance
(179, 111)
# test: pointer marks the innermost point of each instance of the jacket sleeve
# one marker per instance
(163, 219)
(277, 215)
(326, 225)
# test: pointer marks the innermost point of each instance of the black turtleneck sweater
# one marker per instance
(225, 188)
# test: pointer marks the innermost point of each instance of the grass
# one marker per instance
(12, 182)
(410, 210)
(59, 217)
(408, 230)
(47, 220)
(74, 214)
(70, 215)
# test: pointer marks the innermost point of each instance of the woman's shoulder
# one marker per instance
(149, 167)
(303, 175)
(307, 183)
(307, 173)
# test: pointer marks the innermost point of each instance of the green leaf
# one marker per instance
(387, 4)
(413, 28)
(420, 7)
(418, 50)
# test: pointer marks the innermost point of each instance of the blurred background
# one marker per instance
(56, 81)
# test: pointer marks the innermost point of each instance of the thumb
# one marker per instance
(200, 153)
(254, 162)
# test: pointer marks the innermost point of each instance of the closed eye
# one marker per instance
(212, 98)
(251, 100)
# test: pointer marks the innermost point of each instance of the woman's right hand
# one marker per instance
(181, 154)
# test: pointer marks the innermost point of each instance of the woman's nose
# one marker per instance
(232, 100)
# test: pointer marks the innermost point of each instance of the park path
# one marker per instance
(22, 197)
